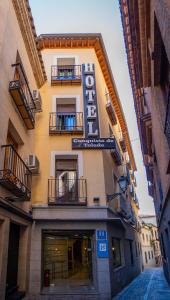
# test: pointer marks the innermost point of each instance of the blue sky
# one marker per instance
(99, 16)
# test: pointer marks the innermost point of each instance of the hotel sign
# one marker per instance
(102, 143)
(90, 102)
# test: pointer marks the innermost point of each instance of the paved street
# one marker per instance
(150, 285)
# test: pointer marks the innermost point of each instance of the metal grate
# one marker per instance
(15, 175)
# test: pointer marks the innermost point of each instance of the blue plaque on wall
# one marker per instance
(102, 248)
(101, 234)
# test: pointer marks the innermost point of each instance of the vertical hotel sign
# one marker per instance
(90, 102)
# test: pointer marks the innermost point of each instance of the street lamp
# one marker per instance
(123, 184)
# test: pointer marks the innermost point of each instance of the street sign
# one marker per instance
(102, 248)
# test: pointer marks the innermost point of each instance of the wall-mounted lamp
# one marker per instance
(123, 184)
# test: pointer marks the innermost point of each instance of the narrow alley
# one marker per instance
(149, 285)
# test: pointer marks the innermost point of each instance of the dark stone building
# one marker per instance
(146, 26)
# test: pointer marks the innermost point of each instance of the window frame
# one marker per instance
(121, 253)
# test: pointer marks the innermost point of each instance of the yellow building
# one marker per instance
(85, 233)
(21, 73)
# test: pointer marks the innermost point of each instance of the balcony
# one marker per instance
(123, 145)
(149, 173)
(66, 123)
(150, 189)
(116, 154)
(132, 191)
(21, 94)
(67, 192)
(127, 173)
(167, 120)
(15, 175)
(136, 200)
(110, 110)
(146, 133)
(66, 74)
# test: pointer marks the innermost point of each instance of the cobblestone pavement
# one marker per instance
(150, 285)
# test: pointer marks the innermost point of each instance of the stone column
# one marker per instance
(35, 260)
(24, 257)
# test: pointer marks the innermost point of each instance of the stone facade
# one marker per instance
(146, 39)
(150, 245)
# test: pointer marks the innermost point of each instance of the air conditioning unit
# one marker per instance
(37, 101)
(33, 164)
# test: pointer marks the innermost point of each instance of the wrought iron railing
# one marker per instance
(66, 122)
(15, 175)
(67, 192)
(167, 120)
(116, 154)
(68, 73)
(110, 109)
(22, 96)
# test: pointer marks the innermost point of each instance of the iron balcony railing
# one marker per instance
(167, 120)
(110, 110)
(67, 192)
(66, 122)
(65, 74)
(122, 206)
(15, 175)
(150, 189)
(116, 154)
(22, 96)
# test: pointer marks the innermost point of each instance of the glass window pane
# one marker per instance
(116, 251)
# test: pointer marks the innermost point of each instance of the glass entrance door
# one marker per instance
(67, 260)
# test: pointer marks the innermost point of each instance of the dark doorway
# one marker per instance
(12, 266)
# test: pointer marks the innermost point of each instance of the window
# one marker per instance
(139, 248)
(131, 252)
(114, 183)
(66, 179)
(146, 258)
(163, 246)
(136, 249)
(152, 254)
(66, 114)
(149, 255)
(116, 252)
(66, 67)
(167, 239)
(147, 237)
(143, 236)
(110, 131)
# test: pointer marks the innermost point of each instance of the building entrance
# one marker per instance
(67, 260)
(13, 253)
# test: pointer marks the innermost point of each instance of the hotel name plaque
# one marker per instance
(102, 143)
